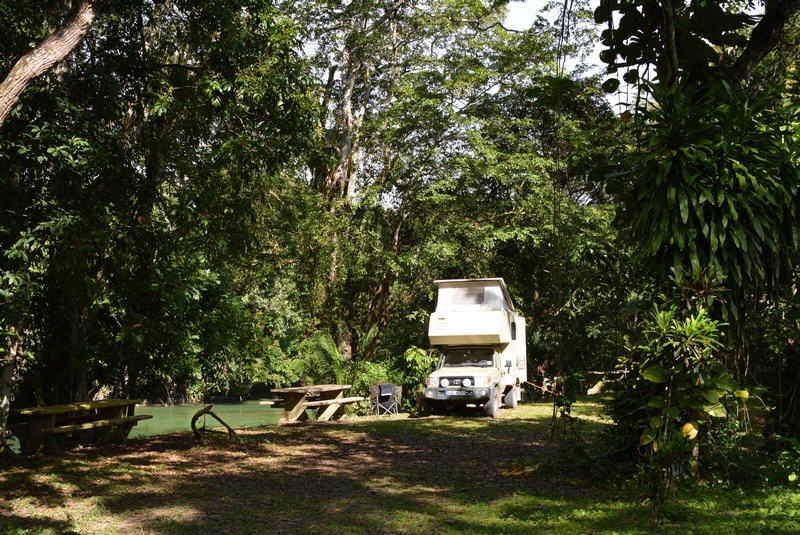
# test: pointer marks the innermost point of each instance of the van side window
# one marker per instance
(514, 331)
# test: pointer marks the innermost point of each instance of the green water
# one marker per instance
(177, 418)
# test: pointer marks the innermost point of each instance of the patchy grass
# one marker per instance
(398, 475)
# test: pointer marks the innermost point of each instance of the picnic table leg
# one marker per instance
(125, 429)
(331, 412)
(115, 433)
(36, 427)
(294, 408)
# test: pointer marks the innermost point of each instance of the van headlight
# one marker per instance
(467, 382)
(444, 383)
(433, 382)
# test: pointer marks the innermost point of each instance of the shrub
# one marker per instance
(675, 387)
(365, 374)
(412, 369)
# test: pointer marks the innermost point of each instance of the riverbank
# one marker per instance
(398, 475)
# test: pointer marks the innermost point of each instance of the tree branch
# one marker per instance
(51, 51)
(326, 96)
(476, 25)
(765, 36)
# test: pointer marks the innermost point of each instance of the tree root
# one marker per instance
(198, 433)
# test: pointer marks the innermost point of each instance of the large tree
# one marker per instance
(132, 186)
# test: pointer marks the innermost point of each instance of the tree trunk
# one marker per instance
(51, 51)
(340, 182)
(671, 47)
(6, 367)
(6, 373)
(78, 367)
(344, 172)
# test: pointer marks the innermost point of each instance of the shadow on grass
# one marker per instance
(428, 475)
(11, 524)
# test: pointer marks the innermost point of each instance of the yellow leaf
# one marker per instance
(690, 430)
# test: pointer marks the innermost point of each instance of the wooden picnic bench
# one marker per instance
(329, 400)
(38, 426)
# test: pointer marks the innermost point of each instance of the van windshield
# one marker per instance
(468, 356)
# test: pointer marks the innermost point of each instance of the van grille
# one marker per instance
(455, 381)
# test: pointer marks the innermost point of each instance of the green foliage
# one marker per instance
(675, 388)
(634, 37)
(134, 182)
(317, 360)
(411, 371)
(716, 185)
(365, 374)
(710, 194)
(734, 457)
(460, 156)
(773, 335)
(787, 462)
(171, 230)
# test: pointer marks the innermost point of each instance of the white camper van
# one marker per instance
(481, 340)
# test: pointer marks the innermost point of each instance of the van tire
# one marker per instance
(511, 399)
(492, 407)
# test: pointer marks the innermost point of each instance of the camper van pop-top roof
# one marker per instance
(473, 295)
(472, 312)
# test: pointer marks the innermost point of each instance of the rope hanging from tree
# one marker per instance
(558, 184)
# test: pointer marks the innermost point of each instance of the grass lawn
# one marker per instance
(398, 475)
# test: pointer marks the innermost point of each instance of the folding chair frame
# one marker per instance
(388, 406)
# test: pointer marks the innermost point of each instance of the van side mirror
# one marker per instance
(508, 364)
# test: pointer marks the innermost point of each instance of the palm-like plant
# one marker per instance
(319, 360)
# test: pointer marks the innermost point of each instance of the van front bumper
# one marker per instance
(472, 394)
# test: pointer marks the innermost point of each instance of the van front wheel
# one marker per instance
(492, 407)
(511, 399)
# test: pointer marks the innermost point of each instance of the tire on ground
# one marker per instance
(492, 407)
(511, 399)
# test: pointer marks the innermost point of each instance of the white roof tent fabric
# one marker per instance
(473, 294)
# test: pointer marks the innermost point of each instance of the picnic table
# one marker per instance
(327, 399)
(38, 426)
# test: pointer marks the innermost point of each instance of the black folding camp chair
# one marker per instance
(385, 398)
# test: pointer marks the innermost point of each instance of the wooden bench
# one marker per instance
(127, 420)
(78, 406)
(339, 401)
(332, 407)
(45, 423)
